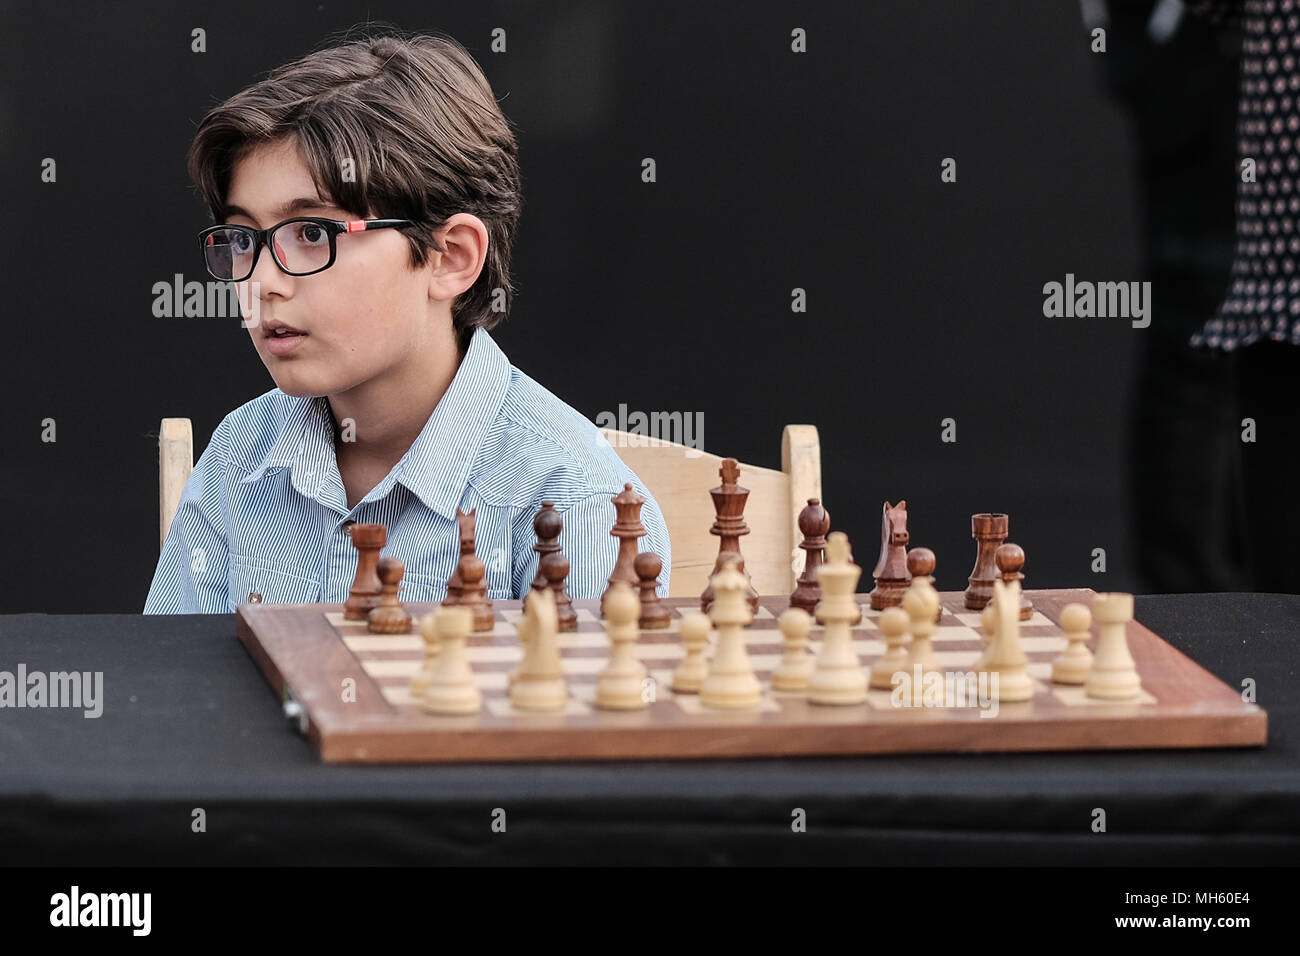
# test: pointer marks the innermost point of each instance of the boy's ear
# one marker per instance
(465, 241)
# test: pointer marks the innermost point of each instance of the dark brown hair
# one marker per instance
(418, 119)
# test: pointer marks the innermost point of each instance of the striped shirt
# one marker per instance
(265, 508)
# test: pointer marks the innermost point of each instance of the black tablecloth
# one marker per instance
(189, 723)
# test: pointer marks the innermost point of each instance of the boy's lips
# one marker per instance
(282, 345)
(272, 326)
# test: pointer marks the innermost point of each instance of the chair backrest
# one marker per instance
(679, 477)
(175, 462)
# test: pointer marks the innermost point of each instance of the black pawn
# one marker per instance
(554, 568)
(1010, 558)
(920, 564)
(647, 567)
(547, 524)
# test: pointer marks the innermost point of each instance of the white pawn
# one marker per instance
(921, 603)
(452, 689)
(989, 624)
(539, 684)
(893, 627)
(620, 685)
(730, 682)
(1005, 656)
(1113, 675)
(690, 673)
(837, 676)
(1073, 664)
(420, 682)
(796, 666)
(524, 631)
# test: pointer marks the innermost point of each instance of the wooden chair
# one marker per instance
(175, 462)
(679, 477)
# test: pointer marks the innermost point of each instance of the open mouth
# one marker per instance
(282, 341)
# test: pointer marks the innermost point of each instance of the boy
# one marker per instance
(367, 196)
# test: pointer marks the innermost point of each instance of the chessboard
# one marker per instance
(348, 692)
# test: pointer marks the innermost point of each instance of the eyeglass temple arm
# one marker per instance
(362, 225)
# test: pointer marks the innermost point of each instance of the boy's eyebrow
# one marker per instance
(284, 210)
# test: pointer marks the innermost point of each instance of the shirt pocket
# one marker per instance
(421, 587)
(276, 587)
(427, 587)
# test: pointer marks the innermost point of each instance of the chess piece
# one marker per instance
(627, 528)
(920, 603)
(1005, 656)
(547, 524)
(731, 682)
(736, 559)
(389, 617)
(729, 525)
(837, 676)
(452, 689)
(539, 682)
(1010, 558)
(989, 530)
(814, 523)
(1073, 664)
(473, 592)
(653, 614)
(857, 609)
(555, 568)
(891, 573)
(796, 665)
(893, 628)
(989, 625)
(620, 686)
(1113, 675)
(429, 634)
(920, 564)
(465, 522)
(690, 673)
(369, 540)
(524, 631)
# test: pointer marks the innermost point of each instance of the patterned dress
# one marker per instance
(1263, 296)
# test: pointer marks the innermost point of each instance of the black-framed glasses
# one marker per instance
(300, 247)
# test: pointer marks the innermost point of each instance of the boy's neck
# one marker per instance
(388, 413)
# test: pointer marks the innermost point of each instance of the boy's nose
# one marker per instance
(269, 277)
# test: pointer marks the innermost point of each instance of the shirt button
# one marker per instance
(346, 527)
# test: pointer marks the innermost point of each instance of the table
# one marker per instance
(188, 722)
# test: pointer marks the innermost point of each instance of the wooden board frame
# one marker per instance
(306, 660)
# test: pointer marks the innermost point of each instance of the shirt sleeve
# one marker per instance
(591, 549)
(192, 573)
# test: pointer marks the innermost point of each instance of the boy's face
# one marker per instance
(362, 316)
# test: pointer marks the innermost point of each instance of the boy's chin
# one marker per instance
(297, 389)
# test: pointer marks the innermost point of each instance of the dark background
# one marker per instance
(776, 170)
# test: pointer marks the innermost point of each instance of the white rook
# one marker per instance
(1113, 675)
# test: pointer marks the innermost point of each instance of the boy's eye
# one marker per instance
(309, 233)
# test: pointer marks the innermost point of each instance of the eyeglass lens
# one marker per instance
(300, 247)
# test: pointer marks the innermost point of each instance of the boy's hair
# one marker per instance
(424, 132)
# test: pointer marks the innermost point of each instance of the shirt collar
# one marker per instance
(438, 465)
